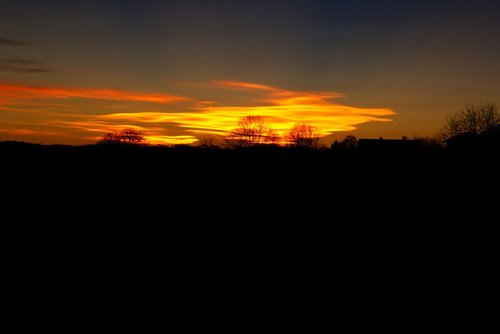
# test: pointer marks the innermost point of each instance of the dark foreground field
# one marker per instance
(145, 240)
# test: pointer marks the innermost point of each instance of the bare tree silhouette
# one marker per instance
(251, 131)
(304, 135)
(350, 142)
(473, 119)
(435, 142)
(127, 136)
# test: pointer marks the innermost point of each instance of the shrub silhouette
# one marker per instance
(126, 136)
(350, 142)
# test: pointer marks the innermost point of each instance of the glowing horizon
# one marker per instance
(188, 119)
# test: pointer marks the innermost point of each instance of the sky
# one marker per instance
(183, 70)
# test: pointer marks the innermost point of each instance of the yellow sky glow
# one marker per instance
(174, 124)
(280, 108)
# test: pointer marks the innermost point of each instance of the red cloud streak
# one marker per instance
(13, 91)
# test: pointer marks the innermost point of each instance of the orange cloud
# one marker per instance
(27, 132)
(16, 92)
(280, 96)
(281, 109)
(244, 85)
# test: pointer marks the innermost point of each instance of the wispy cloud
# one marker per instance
(280, 108)
(13, 42)
(244, 85)
(20, 92)
(23, 66)
(278, 96)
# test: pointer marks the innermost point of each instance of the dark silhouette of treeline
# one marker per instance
(145, 239)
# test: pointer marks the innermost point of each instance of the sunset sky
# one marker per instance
(182, 70)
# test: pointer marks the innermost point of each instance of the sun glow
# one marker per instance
(281, 109)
